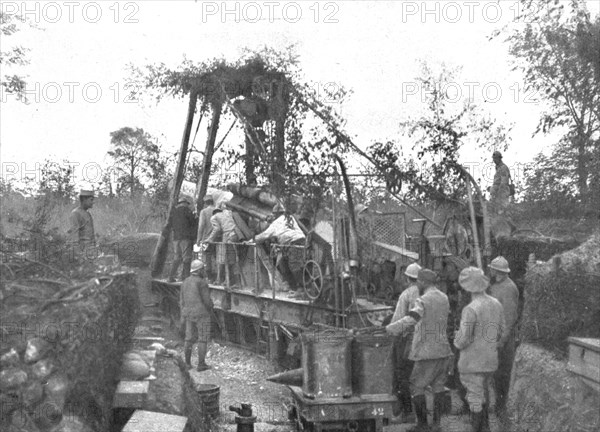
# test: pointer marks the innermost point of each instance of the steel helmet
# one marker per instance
(197, 265)
(500, 264)
(412, 270)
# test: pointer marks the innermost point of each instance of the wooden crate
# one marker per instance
(584, 360)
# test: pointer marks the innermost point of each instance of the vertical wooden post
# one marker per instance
(474, 226)
(210, 149)
(283, 97)
(250, 159)
(160, 252)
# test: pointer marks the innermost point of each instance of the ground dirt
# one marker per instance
(240, 374)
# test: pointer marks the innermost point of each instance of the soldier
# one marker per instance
(506, 292)
(81, 222)
(481, 327)
(224, 230)
(500, 192)
(285, 231)
(430, 349)
(204, 229)
(196, 308)
(402, 344)
(184, 234)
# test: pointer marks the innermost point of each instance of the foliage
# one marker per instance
(138, 162)
(276, 77)
(558, 50)
(438, 136)
(57, 180)
(12, 57)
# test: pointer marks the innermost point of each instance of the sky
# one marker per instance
(78, 83)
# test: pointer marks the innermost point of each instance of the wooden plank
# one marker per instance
(149, 421)
(593, 344)
(131, 394)
(160, 252)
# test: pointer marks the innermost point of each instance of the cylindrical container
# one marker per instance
(373, 364)
(326, 363)
(209, 396)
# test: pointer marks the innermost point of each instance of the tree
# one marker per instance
(438, 135)
(558, 50)
(136, 158)
(56, 180)
(13, 56)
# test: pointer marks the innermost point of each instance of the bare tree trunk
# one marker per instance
(160, 252)
(582, 167)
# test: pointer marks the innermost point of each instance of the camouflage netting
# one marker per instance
(518, 249)
(562, 297)
(61, 350)
(545, 397)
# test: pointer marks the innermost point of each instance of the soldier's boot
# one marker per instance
(477, 420)
(185, 271)
(420, 405)
(202, 349)
(187, 352)
(439, 408)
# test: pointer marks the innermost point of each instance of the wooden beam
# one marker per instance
(160, 252)
(209, 150)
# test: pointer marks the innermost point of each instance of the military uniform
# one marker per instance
(402, 344)
(196, 308)
(82, 228)
(430, 349)
(507, 293)
(184, 233)
(481, 328)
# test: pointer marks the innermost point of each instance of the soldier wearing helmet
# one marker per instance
(430, 349)
(196, 308)
(403, 365)
(506, 292)
(184, 234)
(500, 191)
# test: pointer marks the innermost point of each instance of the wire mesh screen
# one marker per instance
(387, 228)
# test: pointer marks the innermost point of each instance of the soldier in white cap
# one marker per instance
(506, 292)
(81, 222)
(481, 328)
(402, 344)
(196, 308)
(285, 233)
(430, 349)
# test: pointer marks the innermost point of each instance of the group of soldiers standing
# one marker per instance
(485, 342)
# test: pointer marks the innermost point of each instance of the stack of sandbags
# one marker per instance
(562, 297)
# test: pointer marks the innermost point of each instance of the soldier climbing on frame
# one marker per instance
(225, 231)
(184, 234)
(285, 233)
(204, 229)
